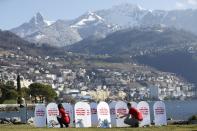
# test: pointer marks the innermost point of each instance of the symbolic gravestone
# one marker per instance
(113, 113)
(143, 107)
(103, 115)
(82, 114)
(40, 115)
(160, 113)
(94, 117)
(134, 104)
(70, 111)
(52, 113)
(121, 110)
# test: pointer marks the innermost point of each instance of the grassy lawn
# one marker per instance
(164, 128)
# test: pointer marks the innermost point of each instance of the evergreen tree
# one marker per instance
(8, 91)
(19, 100)
(42, 91)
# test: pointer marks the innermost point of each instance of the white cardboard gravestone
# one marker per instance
(52, 113)
(82, 114)
(143, 107)
(113, 113)
(73, 107)
(160, 113)
(133, 104)
(121, 110)
(40, 115)
(103, 115)
(69, 110)
(94, 117)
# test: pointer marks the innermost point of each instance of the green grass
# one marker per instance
(9, 102)
(163, 128)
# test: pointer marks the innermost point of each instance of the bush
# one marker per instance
(194, 117)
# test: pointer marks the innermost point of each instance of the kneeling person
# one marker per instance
(136, 116)
(64, 118)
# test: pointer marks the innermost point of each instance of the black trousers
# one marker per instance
(62, 123)
(132, 122)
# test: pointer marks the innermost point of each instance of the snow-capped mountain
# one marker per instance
(36, 23)
(181, 19)
(64, 32)
(86, 19)
(101, 23)
(57, 34)
(125, 15)
(54, 33)
(91, 24)
(128, 15)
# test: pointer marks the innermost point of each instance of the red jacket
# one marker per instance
(135, 114)
(65, 117)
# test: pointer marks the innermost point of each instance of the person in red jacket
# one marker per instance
(133, 117)
(63, 118)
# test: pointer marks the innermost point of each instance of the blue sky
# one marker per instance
(16, 12)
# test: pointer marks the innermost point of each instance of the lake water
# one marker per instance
(178, 110)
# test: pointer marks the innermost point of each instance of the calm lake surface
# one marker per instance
(178, 110)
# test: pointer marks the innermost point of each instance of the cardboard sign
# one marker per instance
(52, 113)
(40, 115)
(103, 115)
(160, 113)
(94, 117)
(113, 113)
(121, 110)
(82, 114)
(70, 111)
(143, 107)
(133, 104)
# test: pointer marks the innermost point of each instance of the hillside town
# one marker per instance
(82, 82)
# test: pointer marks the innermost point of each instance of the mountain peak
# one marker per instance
(37, 19)
(38, 15)
(128, 6)
(90, 13)
(93, 14)
(89, 17)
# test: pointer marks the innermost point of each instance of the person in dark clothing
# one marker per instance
(63, 118)
(133, 117)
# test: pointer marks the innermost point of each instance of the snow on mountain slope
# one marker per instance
(91, 24)
(101, 23)
(49, 22)
(58, 34)
(86, 19)
(125, 15)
